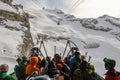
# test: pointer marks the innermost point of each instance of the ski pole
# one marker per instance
(54, 49)
(89, 59)
(86, 54)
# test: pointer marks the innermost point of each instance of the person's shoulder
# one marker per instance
(7, 77)
(72, 58)
(10, 77)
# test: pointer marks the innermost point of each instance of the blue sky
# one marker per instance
(87, 8)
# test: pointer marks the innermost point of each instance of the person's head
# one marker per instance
(51, 64)
(4, 68)
(33, 61)
(43, 62)
(74, 49)
(18, 59)
(109, 63)
(24, 58)
(90, 66)
(48, 58)
(82, 57)
(35, 49)
(77, 54)
(57, 57)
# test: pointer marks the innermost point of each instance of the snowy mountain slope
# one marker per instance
(13, 32)
(32, 5)
(86, 33)
(108, 44)
(10, 38)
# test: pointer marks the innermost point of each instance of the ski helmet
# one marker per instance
(35, 49)
(24, 58)
(77, 53)
(4, 68)
(18, 59)
(109, 62)
(57, 56)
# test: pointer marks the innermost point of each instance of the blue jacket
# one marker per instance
(75, 61)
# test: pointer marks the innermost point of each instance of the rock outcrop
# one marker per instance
(20, 17)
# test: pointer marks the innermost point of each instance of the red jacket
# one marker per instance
(110, 75)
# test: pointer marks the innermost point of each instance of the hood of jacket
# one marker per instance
(33, 61)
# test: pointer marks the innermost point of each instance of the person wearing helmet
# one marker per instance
(109, 66)
(3, 72)
(24, 59)
(35, 51)
(62, 67)
(74, 63)
(59, 62)
(51, 69)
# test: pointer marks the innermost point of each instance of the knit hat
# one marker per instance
(109, 62)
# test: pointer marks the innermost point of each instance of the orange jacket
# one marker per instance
(32, 66)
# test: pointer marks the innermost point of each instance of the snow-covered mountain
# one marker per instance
(15, 35)
(99, 37)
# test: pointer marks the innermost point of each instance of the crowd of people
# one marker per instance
(72, 67)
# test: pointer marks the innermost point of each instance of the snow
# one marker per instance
(9, 40)
(44, 22)
(31, 5)
(107, 45)
(7, 7)
(15, 24)
(11, 61)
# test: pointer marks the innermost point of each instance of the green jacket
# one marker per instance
(4, 76)
(20, 70)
